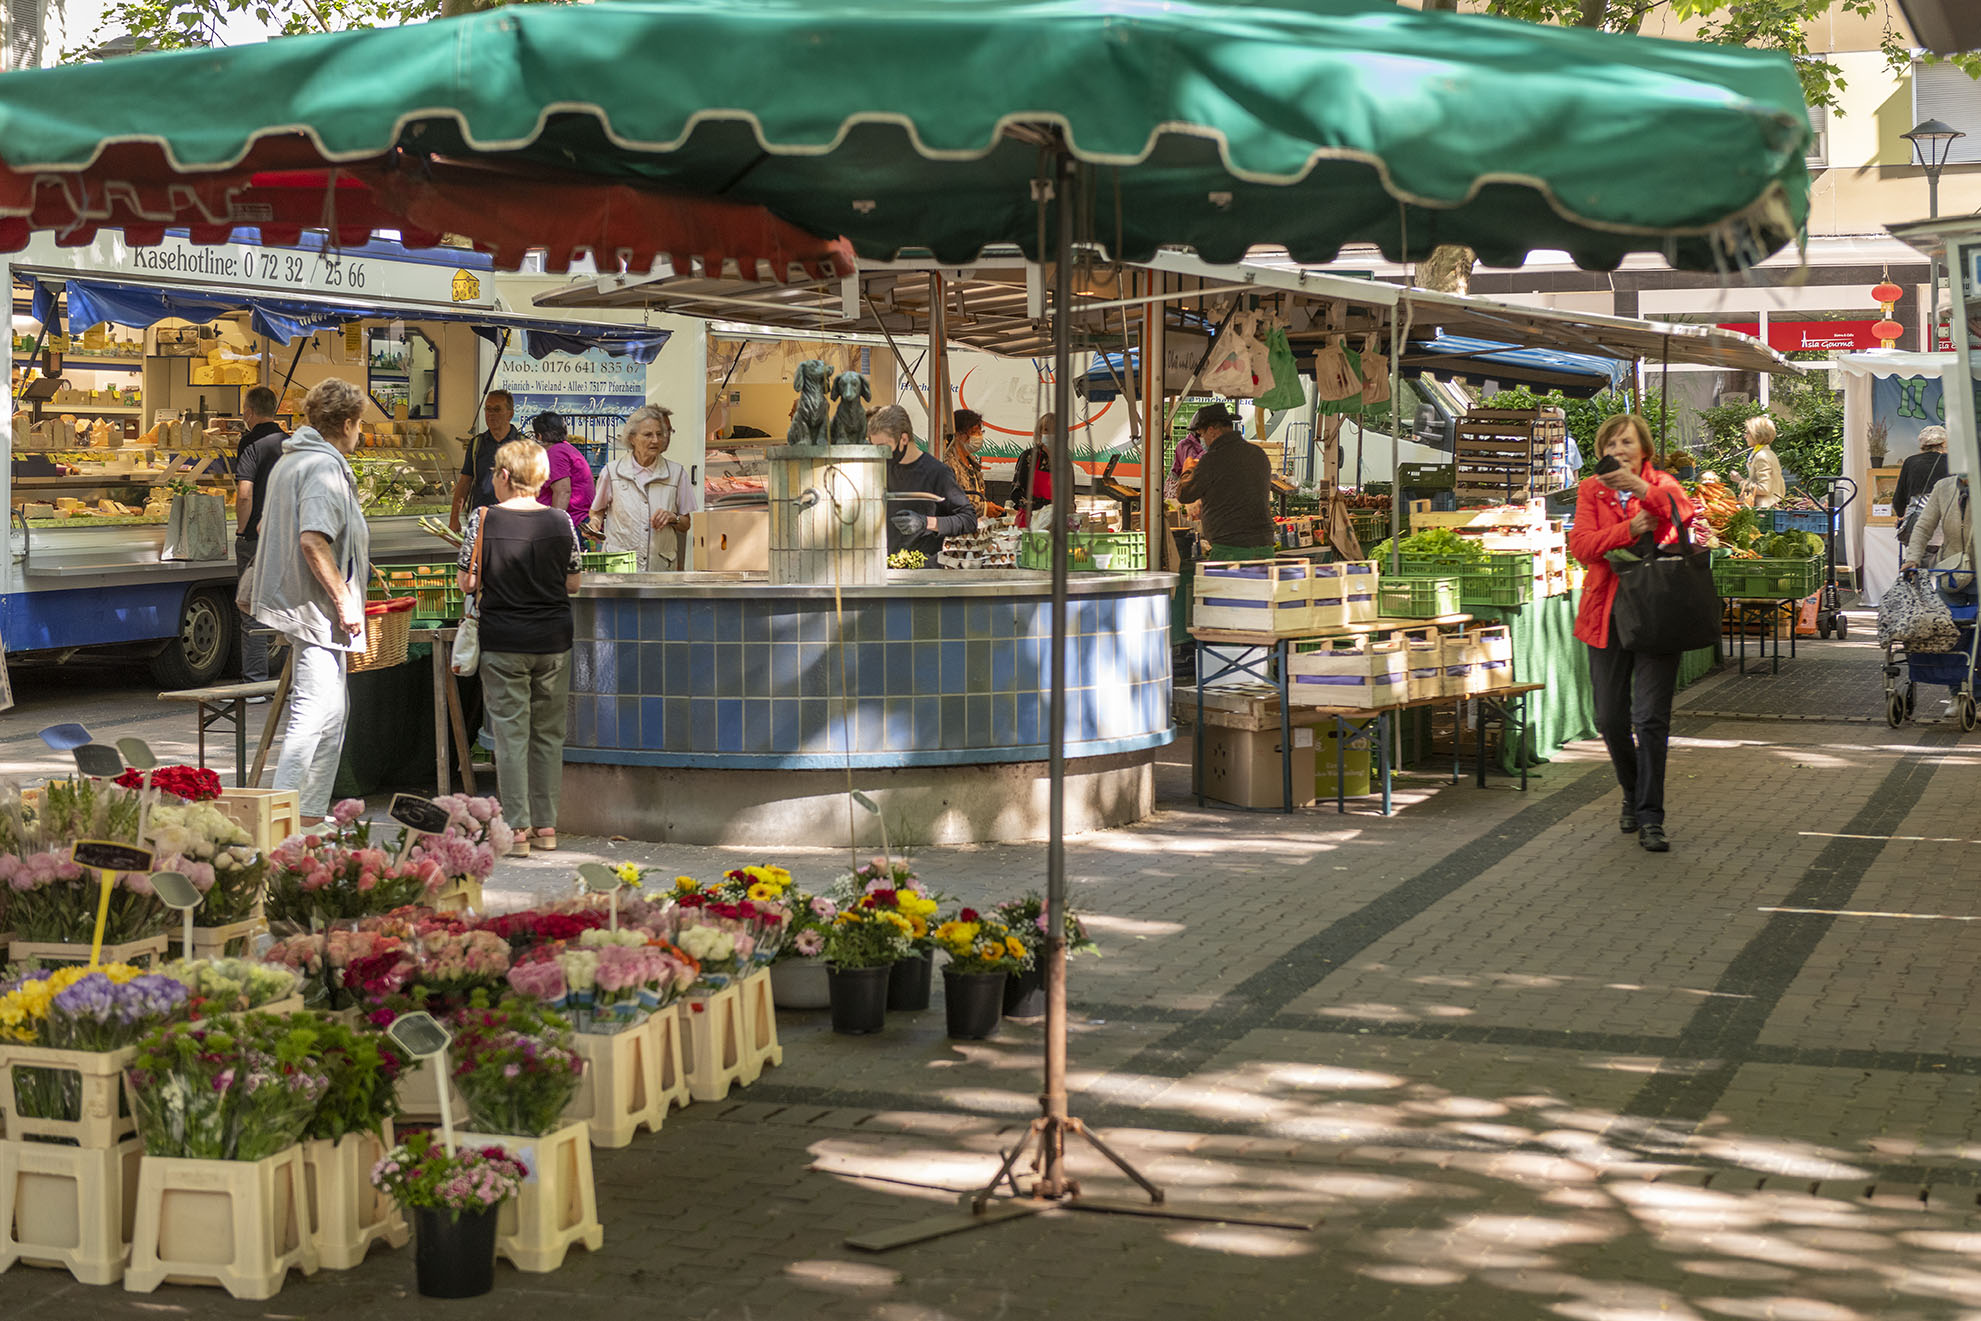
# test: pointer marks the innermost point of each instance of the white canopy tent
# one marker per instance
(1888, 395)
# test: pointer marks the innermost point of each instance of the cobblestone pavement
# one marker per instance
(1512, 1064)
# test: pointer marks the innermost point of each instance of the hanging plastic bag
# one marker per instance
(1285, 392)
(1912, 613)
(1233, 364)
(1375, 373)
(1334, 379)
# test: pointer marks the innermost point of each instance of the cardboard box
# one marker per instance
(1242, 767)
(735, 540)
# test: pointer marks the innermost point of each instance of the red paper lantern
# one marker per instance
(1888, 330)
(1887, 293)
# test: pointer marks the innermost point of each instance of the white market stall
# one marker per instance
(1889, 396)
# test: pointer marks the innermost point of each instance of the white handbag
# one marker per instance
(466, 658)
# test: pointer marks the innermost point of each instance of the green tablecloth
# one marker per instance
(388, 736)
(1696, 665)
(1545, 650)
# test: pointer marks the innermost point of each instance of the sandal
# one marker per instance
(545, 840)
(520, 848)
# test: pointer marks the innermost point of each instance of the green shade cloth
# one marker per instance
(388, 735)
(1696, 665)
(1546, 650)
(923, 127)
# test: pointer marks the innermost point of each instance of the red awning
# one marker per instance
(504, 213)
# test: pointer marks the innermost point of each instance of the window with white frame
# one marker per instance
(1819, 143)
(1941, 91)
(20, 26)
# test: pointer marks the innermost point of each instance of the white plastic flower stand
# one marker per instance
(619, 1092)
(64, 1207)
(419, 1092)
(243, 1225)
(760, 1044)
(104, 1119)
(713, 1042)
(558, 1206)
(670, 1053)
(347, 1213)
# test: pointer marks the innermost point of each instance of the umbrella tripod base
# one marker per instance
(943, 1226)
(1223, 1215)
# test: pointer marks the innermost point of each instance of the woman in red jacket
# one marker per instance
(1615, 511)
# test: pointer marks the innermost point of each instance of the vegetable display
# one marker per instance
(1441, 542)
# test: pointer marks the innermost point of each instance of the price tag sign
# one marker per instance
(419, 1035)
(108, 855)
(62, 738)
(420, 815)
(137, 752)
(99, 760)
(176, 891)
(599, 878)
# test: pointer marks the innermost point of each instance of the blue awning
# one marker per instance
(1576, 374)
(285, 319)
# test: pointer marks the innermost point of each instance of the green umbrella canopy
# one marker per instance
(1308, 123)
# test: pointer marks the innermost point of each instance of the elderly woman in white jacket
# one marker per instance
(1947, 514)
(644, 501)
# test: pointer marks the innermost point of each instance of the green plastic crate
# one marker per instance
(1767, 579)
(1416, 598)
(1125, 552)
(1501, 579)
(435, 589)
(610, 561)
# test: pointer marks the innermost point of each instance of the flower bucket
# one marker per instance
(800, 984)
(859, 999)
(1025, 993)
(454, 1256)
(909, 983)
(972, 1002)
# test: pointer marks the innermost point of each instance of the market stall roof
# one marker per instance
(1209, 125)
(287, 317)
(1577, 375)
(996, 305)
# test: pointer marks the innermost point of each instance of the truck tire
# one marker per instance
(205, 642)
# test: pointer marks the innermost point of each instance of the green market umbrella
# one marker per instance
(924, 129)
(1212, 126)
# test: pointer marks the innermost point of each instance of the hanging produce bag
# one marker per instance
(1235, 361)
(1375, 373)
(196, 528)
(1286, 391)
(1334, 379)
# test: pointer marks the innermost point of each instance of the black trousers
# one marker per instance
(1633, 692)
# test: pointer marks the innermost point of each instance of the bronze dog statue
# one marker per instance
(809, 424)
(849, 422)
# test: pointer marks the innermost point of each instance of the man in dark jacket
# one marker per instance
(254, 464)
(918, 524)
(1234, 481)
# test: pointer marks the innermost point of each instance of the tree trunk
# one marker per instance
(1593, 13)
(1448, 270)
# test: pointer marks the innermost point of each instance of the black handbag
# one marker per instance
(1665, 600)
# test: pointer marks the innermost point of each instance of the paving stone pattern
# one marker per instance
(1512, 1064)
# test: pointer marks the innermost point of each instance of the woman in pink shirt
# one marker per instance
(570, 484)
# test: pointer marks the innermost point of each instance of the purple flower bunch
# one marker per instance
(99, 1014)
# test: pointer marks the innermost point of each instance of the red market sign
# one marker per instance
(1812, 336)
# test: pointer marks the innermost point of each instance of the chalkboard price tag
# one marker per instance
(420, 815)
(99, 761)
(108, 855)
(599, 878)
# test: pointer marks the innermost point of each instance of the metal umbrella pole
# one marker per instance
(1046, 1138)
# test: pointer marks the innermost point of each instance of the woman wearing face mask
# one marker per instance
(1615, 511)
(644, 500)
(1031, 483)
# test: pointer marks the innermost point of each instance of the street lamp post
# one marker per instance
(1932, 141)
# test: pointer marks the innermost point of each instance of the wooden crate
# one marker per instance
(1423, 651)
(1347, 672)
(268, 815)
(1358, 591)
(1254, 596)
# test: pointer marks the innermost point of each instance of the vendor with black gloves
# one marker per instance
(920, 524)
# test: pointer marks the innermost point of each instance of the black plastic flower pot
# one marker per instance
(973, 1002)
(859, 999)
(454, 1257)
(1025, 994)
(909, 983)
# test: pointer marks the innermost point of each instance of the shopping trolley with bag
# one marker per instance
(1926, 624)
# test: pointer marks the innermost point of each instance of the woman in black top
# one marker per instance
(529, 563)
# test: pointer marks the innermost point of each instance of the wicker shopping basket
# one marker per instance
(386, 625)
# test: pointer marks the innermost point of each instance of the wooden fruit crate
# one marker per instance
(268, 815)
